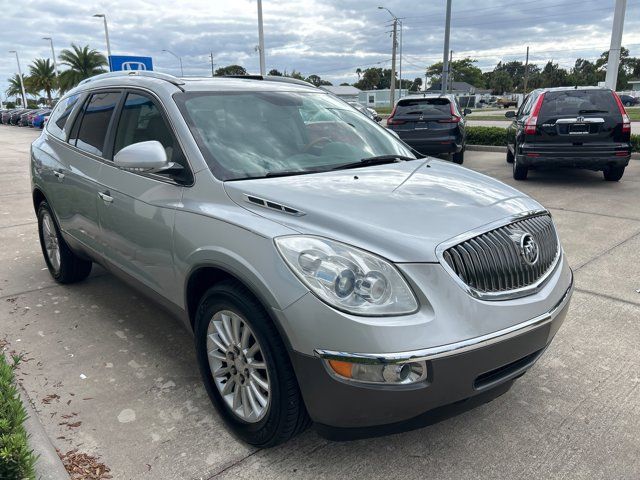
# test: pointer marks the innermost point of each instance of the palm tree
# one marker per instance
(83, 63)
(15, 90)
(359, 72)
(42, 76)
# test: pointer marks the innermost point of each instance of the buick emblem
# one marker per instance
(529, 249)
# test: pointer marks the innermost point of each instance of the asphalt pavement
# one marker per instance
(111, 374)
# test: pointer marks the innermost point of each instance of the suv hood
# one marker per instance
(400, 211)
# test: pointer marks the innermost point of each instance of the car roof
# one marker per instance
(156, 81)
(566, 89)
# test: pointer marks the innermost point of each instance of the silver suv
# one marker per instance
(327, 273)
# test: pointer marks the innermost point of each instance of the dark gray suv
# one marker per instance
(326, 273)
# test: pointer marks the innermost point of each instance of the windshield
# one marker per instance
(577, 102)
(437, 107)
(257, 134)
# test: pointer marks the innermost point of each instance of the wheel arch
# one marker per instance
(38, 197)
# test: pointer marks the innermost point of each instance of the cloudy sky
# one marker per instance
(330, 38)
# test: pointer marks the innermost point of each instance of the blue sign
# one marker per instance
(126, 62)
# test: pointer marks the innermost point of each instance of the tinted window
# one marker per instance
(60, 115)
(95, 122)
(424, 106)
(142, 121)
(577, 102)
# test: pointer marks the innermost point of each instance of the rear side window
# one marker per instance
(578, 102)
(425, 106)
(141, 121)
(57, 125)
(95, 122)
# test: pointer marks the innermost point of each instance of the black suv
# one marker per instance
(580, 127)
(431, 124)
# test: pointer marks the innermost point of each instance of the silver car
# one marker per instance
(327, 274)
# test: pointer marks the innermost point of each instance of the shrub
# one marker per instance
(16, 459)
(497, 136)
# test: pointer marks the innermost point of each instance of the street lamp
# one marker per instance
(106, 34)
(24, 93)
(53, 55)
(179, 59)
(263, 70)
(392, 93)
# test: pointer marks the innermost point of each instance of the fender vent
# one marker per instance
(272, 205)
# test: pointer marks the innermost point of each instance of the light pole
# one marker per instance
(613, 63)
(24, 93)
(53, 55)
(179, 59)
(392, 90)
(261, 39)
(106, 34)
(445, 55)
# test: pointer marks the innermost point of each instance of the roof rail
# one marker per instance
(273, 78)
(135, 73)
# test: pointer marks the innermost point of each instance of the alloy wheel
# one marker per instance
(51, 243)
(238, 366)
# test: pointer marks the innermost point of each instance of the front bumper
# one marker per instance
(456, 371)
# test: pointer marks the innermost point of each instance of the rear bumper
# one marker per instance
(551, 160)
(483, 367)
(435, 146)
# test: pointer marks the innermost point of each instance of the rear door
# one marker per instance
(424, 120)
(579, 119)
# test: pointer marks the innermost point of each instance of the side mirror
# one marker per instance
(147, 157)
(510, 114)
(467, 111)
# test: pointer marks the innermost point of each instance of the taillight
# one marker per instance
(531, 124)
(626, 122)
(391, 120)
(454, 117)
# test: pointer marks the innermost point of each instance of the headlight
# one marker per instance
(346, 277)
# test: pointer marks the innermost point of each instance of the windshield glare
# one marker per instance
(253, 134)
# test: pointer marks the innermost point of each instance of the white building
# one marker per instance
(379, 98)
(345, 92)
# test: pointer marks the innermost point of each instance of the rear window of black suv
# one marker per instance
(578, 102)
(425, 107)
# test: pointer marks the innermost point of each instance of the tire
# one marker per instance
(613, 173)
(458, 157)
(64, 265)
(628, 104)
(284, 415)
(519, 171)
(510, 156)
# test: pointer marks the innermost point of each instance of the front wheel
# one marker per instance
(613, 173)
(64, 265)
(245, 367)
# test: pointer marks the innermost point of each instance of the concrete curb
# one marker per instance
(48, 465)
(503, 149)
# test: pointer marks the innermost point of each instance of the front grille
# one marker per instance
(493, 262)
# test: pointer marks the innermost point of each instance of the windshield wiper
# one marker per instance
(593, 111)
(289, 173)
(377, 160)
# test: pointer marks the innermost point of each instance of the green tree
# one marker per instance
(275, 72)
(500, 82)
(231, 70)
(317, 81)
(553, 75)
(42, 76)
(585, 72)
(463, 70)
(416, 85)
(629, 68)
(14, 89)
(82, 62)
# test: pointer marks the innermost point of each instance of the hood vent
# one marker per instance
(272, 205)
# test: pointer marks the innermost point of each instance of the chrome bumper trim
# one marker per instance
(452, 348)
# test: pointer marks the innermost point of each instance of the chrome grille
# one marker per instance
(493, 262)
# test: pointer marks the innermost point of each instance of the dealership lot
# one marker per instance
(113, 375)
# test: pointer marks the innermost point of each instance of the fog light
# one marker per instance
(400, 374)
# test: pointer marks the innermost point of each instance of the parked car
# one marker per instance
(374, 113)
(431, 124)
(15, 117)
(326, 273)
(506, 102)
(38, 119)
(6, 116)
(362, 109)
(27, 117)
(579, 127)
(629, 101)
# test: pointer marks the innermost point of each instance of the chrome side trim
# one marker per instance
(508, 294)
(452, 348)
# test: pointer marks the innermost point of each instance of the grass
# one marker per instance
(17, 461)
(634, 114)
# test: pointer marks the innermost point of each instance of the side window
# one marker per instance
(525, 108)
(141, 121)
(95, 122)
(58, 121)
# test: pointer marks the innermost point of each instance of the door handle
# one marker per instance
(58, 174)
(106, 198)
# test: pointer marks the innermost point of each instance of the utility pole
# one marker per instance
(24, 93)
(211, 57)
(445, 55)
(526, 71)
(613, 63)
(400, 94)
(263, 70)
(394, 45)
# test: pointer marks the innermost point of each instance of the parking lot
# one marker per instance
(113, 375)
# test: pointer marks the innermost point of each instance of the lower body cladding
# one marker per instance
(430, 383)
(430, 145)
(576, 158)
